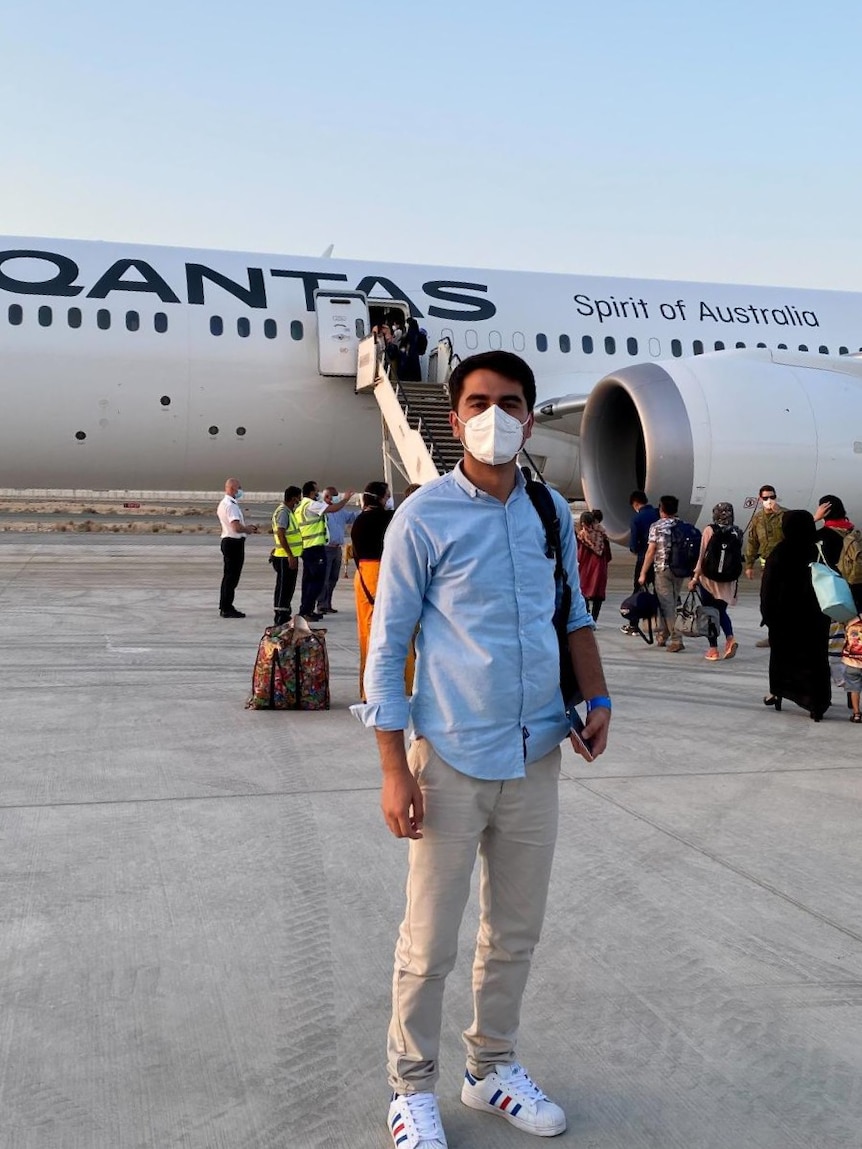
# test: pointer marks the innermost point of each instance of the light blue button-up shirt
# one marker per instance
(474, 574)
(337, 523)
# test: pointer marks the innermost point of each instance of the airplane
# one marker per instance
(130, 367)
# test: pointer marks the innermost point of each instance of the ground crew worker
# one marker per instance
(311, 516)
(285, 554)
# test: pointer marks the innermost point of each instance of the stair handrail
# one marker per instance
(422, 428)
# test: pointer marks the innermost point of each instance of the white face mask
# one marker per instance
(239, 494)
(493, 436)
(390, 504)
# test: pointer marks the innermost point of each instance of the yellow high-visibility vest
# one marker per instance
(314, 533)
(292, 534)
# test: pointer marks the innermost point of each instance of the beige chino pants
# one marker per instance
(513, 827)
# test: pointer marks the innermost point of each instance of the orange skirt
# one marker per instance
(368, 571)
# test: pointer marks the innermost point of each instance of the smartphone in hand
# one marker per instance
(576, 734)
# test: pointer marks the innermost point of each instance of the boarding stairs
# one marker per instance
(417, 438)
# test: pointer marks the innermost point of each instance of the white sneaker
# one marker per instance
(509, 1092)
(414, 1121)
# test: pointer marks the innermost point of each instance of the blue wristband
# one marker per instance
(602, 702)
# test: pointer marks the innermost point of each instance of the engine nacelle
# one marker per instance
(716, 427)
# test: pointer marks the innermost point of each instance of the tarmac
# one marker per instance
(200, 902)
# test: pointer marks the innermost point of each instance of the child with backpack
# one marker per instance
(851, 656)
(716, 574)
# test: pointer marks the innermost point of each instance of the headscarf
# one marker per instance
(722, 514)
(800, 535)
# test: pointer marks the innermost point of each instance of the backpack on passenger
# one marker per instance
(722, 559)
(291, 671)
(850, 562)
(422, 341)
(684, 549)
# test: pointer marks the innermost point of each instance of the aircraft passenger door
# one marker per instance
(342, 323)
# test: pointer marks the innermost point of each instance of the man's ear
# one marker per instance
(528, 428)
(455, 425)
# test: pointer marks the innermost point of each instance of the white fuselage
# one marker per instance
(136, 367)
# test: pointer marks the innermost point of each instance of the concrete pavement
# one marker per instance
(199, 903)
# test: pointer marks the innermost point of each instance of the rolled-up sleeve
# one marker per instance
(404, 572)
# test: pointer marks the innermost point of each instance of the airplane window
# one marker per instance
(213, 430)
(761, 345)
(587, 344)
(103, 319)
(73, 317)
(610, 344)
(216, 325)
(80, 436)
(243, 328)
(495, 340)
(803, 347)
(782, 346)
(843, 351)
(675, 348)
(296, 330)
(565, 344)
(165, 400)
(518, 340)
(160, 322)
(471, 339)
(46, 316)
(240, 431)
(697, 347)
(632, 346)
(270, 328)
(360, 328)
(133, 321)
(719, 346)
(655, 348)
(16, 314)
(541, 342)
(824, 350)
(740, 345)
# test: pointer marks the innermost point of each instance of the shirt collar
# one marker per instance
(476, 492)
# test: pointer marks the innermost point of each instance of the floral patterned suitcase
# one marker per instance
(291, 671)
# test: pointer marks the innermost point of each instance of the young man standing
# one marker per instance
(466, 559)
(765, 532)
(667, 585)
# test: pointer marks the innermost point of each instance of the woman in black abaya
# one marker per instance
(798, 628)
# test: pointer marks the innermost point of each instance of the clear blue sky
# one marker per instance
(666, 139)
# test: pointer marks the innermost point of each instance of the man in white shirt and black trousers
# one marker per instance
(233, 532)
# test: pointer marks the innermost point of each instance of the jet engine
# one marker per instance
(717, 427)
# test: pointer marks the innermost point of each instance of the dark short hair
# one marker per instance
(374, 492)
(308, 487)
(291, 493)
(504, 363)
(765, 487)
(637, 497)
(837, 509)
(598, 515)
(669, 504)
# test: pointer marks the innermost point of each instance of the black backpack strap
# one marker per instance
(546, 508)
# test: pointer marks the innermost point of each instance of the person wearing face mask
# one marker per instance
(765, 532)
(467, 561)
(233, 534)
(311, 515)
(366, 538)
